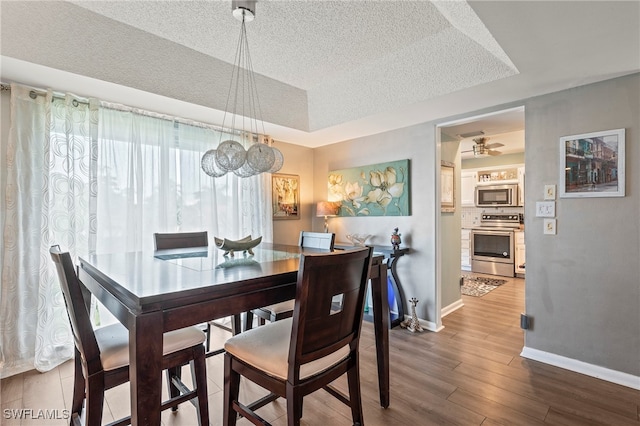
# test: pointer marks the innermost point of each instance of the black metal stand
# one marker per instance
(391, 257)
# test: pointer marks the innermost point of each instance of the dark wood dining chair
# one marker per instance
(164, 241)
(177, 240)
(299, 355)
(282, 310)
(102, 355)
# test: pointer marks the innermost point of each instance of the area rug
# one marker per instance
(479, 286)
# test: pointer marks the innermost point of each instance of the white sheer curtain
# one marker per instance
(50, 175)
(150, 180)
(98, 177)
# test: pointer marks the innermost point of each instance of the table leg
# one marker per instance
(379, 294)
(145, 369)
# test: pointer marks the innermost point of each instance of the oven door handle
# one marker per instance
(491, 232)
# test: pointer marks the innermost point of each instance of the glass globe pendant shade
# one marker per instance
(230, 155)
(209, 165)
(260, 157)
(245, 171)
(278, 160)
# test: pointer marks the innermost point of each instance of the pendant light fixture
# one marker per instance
(230, 155)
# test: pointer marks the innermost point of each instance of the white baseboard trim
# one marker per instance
(613, 376)
(427, 325)
(451, 308)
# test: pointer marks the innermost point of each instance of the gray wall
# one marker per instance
(450, 243)
(583, 288)
(416, 143)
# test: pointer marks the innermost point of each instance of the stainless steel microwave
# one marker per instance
(497, 195)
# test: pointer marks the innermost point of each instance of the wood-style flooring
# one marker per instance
(470, 373)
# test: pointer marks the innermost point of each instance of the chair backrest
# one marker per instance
(319, 240)
(180, 240)
(329, 305)
(78, 301)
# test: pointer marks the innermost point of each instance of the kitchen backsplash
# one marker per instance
(470, 216)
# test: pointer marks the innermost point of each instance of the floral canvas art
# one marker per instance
(375, 190)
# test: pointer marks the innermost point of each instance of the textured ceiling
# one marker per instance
(328, 70)
(355, 58)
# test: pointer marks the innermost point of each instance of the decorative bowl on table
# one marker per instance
(245, 244)
(358, 239)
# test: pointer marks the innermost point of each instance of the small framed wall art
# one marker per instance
(447, 187)
(285, 195)
(592, 164)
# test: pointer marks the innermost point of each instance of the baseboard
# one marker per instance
(613, 376)
(451, 308)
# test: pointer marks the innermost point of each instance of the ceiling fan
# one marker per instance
(482, 149)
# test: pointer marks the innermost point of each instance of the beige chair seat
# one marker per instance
(267, 348)
(281, 307)
(113, 341)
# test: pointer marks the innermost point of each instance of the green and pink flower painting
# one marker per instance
(375, 190)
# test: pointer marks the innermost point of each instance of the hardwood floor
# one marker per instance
(470, 373)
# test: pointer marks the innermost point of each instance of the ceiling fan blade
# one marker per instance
(492, 152)
(494, 145)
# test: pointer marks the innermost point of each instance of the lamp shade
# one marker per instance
(327, 208)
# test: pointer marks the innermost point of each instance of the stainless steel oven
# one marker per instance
(492, 245)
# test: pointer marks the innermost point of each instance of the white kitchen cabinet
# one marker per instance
(520, 252)
(468, 181)
(521, 187)
(465, 250)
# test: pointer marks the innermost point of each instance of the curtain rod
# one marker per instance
(33, 93)
(4, 87)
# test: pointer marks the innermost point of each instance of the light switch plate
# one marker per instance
(545, 208)
(550, 226)
(549, 192)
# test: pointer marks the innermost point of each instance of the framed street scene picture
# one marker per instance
(592, 164)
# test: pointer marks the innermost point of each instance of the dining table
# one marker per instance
(153, 292)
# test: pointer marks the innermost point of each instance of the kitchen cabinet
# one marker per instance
(520, 252)
(521, 187)
(468, 181)
(465, 249)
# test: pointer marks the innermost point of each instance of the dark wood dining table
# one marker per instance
(151, 293)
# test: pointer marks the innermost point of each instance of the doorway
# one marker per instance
(484, 149)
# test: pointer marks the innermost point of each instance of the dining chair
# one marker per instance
(164, 241)
(299, 355)
(102, 355)
(177, 240)
(282, 310)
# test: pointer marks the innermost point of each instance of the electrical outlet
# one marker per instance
(525, 321)
(545, 208)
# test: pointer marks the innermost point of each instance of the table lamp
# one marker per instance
(327, 209)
